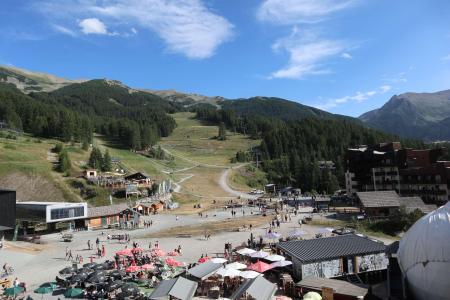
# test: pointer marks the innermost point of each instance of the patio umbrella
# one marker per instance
(73, 292)
(249, 274)
(52, 285)
(129, 289)
(260, 267)
(85, 270)
(204, 259)
(158, 252)
(99, 267)
(173, 263)
(13, 291)
(89, 265)
(78, 278)
(137, 250)
(132, 269)
(297, 233)
(125, 252)
(148, 267)
(259, 254)
(43, 290)
(218, 260)
(275, 257)
(228, 272)
(173, 253)
(272, 235)
(99, 273)
(97, 279)
(236, 265)
(117, 273)
(245, 251)
(114, 285)
(280, 264)
(312, 296)
(67, 271)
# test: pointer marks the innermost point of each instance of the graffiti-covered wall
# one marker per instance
(326, 269)
(372, 262)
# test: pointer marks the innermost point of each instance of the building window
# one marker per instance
(65, 213)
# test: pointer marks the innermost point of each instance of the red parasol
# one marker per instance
(124, 252)
(133, 269)
(173, 263)
(137, 250)
(204, 259)
(260, 267)
(147, 267)
(158, 252)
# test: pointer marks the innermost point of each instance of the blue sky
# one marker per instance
(344, 56)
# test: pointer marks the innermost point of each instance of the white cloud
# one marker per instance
(396, 79)
(346, 55)
(64, 30)
(299, 11)
(446, 57)
(307, 56)
(358, 97)
(92, 26)
(385, 88)
(187, 27)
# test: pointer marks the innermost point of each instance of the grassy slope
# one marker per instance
(205, 158)
(27, 165)
(247, 178)
(194, 140)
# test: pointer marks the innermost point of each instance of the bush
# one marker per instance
(58, 148)
(9, 146)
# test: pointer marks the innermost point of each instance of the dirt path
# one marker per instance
(223, 182)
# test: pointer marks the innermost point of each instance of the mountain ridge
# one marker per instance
(415, 115)
(28, 82)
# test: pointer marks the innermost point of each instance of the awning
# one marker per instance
(203, 271)
(180, 288)
(259, 288)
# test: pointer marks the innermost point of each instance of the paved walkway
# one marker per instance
(37, 267)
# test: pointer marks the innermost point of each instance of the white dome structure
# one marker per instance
(424, 255)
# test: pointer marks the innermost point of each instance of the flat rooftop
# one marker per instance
(50, 203)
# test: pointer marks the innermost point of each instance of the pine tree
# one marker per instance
(222, 132)
(95, 159)
(64, 163)
(107, 165)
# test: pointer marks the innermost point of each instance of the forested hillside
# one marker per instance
(273, 107)
(133, 119)
(291, 150)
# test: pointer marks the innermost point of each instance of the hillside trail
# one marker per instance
(223, 180)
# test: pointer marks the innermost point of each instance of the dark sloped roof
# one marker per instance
(339, 286)
(413, 203)
(180, 288)
(137, 175)
(203, 271)
(103, 211)
(322, 249)
(259, 288)
(379, 199)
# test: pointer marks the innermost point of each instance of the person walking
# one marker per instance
(70, 256)
(97, 242)
(103, 251)
(89, 244)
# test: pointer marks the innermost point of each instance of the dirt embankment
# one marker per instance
(213, 227)
(31, 187)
